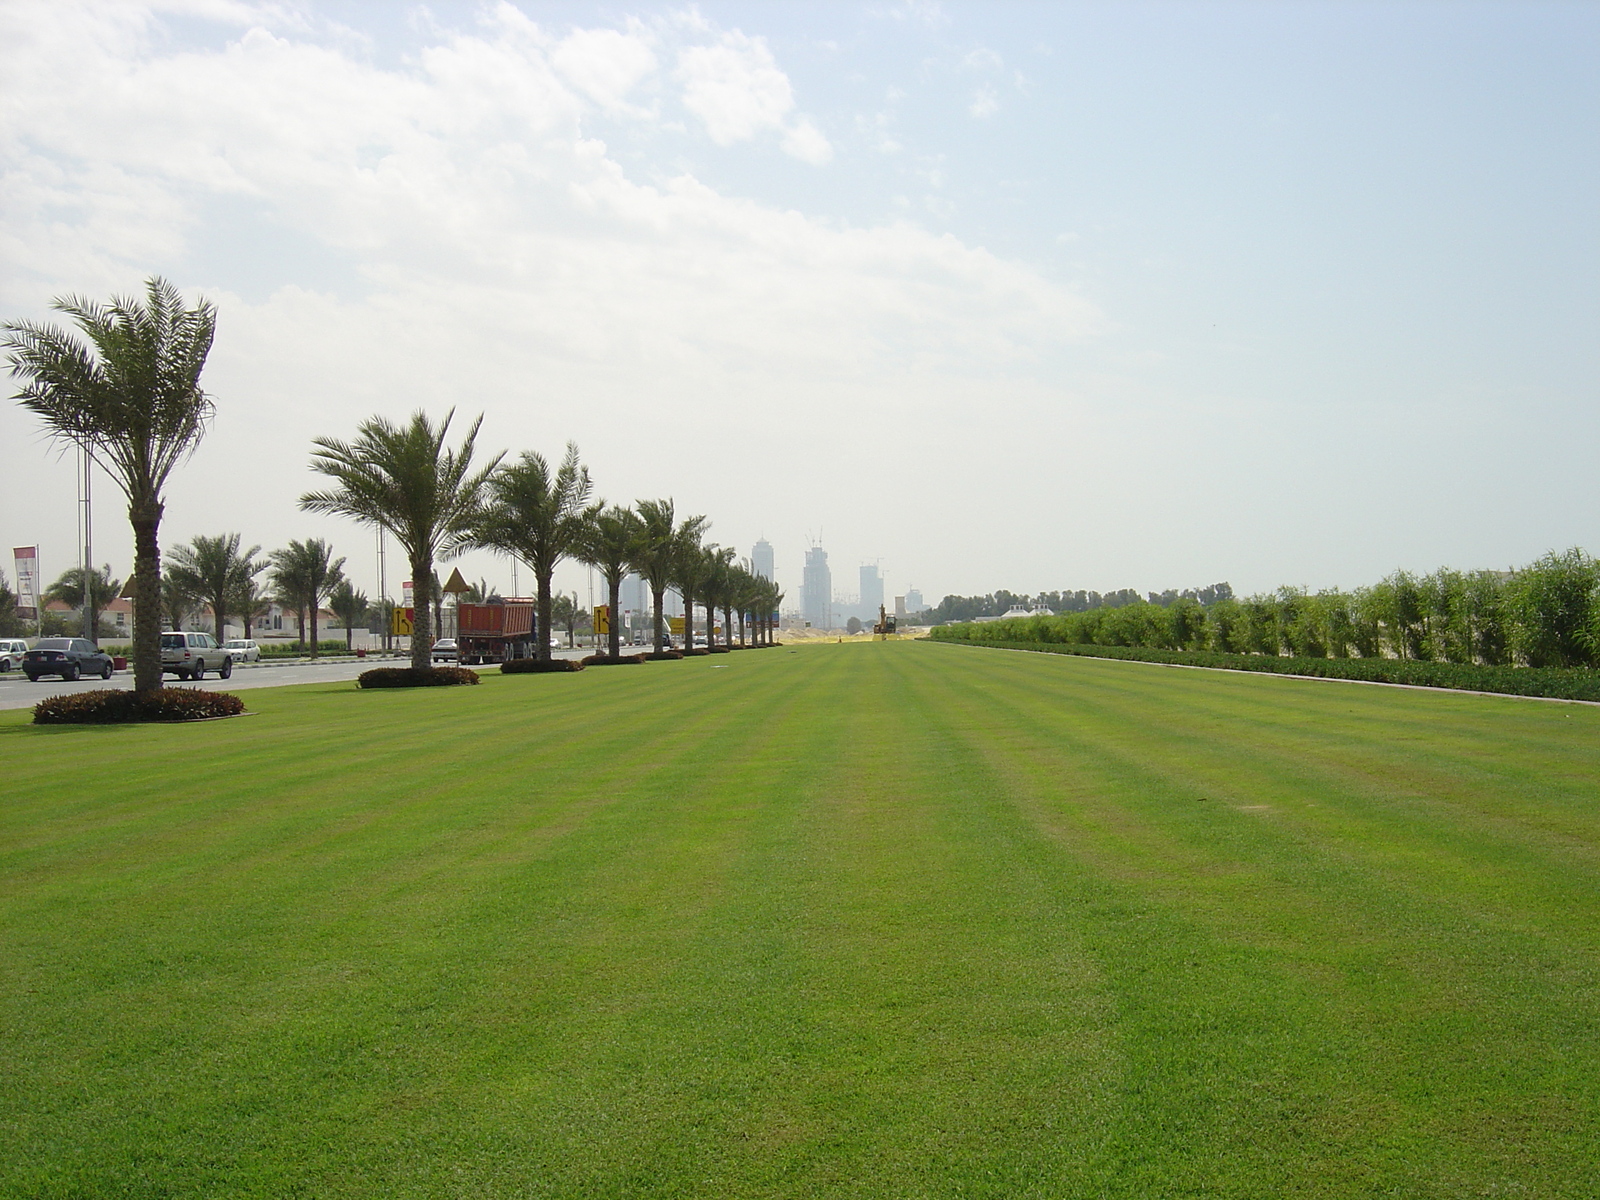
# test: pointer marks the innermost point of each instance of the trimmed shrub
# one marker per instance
(404, 677)
(1554, 683)
(662, 657)
(603, 660)
(532, 666)
(124, 707)
(696, 652)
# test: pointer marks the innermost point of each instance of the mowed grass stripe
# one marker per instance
(1421, 927)
(886, 919)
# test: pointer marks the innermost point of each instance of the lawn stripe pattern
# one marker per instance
(889, 919)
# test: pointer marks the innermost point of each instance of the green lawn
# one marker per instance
(892, 919)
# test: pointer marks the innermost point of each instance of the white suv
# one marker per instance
(191, 655)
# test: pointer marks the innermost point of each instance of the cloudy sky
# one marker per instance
(1029, 296)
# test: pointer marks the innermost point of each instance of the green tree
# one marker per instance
(304, 574)
(402, 479)
(177, 603)
(351, 606)
(129, 391)
(718, 580)
(539, 516)
(1554, 607)
(250, 602)
(214, 569)
(10, 623)
(607, 545)
(654, 556)
(688, 572)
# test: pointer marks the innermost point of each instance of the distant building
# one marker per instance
(761, 559)
(914, 601)
(871, 592)
(816, 590)
(634, 595)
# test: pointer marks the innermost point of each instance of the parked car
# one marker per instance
(242, 650)
(189, 655)
(66, 657)
(445, 650)
(11, 652)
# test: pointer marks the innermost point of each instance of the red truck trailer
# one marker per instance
(492, 633)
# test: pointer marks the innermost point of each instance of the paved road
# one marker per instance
(17, 692)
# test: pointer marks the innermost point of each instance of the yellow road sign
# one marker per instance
(602, 618)
(675, 625)
(401, 626)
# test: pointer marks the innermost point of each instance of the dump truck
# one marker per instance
(495, 632)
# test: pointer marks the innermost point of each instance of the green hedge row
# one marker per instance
(532, 666)
(125, 707)
(403, 677)
(1554, 682)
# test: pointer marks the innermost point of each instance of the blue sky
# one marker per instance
(1028, 296)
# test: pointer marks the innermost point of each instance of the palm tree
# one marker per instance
(177, 602)
(70, 590)
(688, 571)
(214, 569)
(304, 573)
(351, 606)
(250, 603)
(538, 516)
(719, 569)
(402, 479)
(656, 552)
(131, 394)
(607, 545)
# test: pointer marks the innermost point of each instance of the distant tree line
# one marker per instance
(1546, 614)
(970, 608)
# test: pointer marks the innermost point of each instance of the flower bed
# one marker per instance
(405, 677)
(125, 707)
(532, 666)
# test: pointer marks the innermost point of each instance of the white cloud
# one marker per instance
(604, 64)
(985, 102)
(806, 142)
(469, 243)
(735, 87)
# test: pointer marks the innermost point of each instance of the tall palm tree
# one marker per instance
(537, 515)
(688, 572)
(608, 545)
(351, 606)
(132, 395)
(89, 591)
(719, 568)
(653, 554)
(214, 569)
(402, 479)
(304, 574)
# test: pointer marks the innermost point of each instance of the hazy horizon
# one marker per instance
(1077, 296)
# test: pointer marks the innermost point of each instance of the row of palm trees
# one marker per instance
(408, 481)
(126, 387)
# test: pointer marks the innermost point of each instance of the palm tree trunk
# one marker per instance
(615, 636)
(657, 595)
(422, 620)
(541, 648)
(727, 624)
(146, 521)
(688, 617)
(313, 626)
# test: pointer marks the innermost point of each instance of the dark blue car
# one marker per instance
(66, 657)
